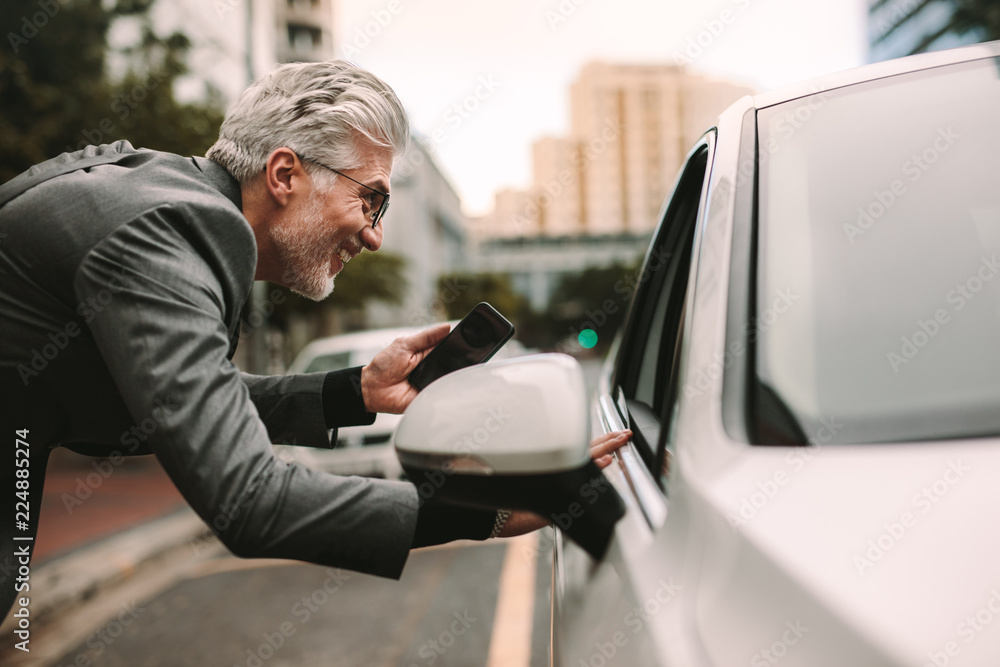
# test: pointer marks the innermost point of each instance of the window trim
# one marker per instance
(741, 298)
(642, 472)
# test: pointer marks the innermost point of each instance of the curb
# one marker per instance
(61, 584)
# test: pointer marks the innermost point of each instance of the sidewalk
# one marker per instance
(88, 499)
(99, 525)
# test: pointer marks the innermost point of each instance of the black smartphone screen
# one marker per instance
(473, 340)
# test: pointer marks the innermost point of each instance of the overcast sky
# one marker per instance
(520, 56)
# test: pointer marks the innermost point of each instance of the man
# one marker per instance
(123, 274)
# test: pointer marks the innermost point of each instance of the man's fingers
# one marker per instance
(427, 338)
(605, 444)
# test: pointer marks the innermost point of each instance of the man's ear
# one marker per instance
(284, 175)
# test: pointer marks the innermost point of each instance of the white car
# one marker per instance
(346, 351)
(357, 349)
(811, 372)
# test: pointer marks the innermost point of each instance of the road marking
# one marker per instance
(510, 644)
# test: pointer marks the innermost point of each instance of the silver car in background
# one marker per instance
(360, 450)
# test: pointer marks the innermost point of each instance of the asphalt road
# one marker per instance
(463, 604)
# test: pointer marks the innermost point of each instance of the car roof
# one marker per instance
(875, 71)
(360, 340)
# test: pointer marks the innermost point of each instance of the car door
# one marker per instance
(600, 609)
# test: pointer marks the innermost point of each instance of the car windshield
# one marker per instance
(877, 293)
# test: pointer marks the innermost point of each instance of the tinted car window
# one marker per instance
(878, 267)
(651, 340)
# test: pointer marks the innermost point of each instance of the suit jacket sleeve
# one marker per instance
(291, 408)
(167, 282)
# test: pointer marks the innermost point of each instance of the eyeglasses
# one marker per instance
(378, 201)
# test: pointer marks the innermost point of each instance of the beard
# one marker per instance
(305, 248)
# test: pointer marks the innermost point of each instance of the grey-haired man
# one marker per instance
(123, 274)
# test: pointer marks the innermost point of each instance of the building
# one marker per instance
(631, 126)
(596, 194)
(425, 224)
(304, 29)
(899, 28)
(235, 41)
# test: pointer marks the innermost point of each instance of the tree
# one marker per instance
(595, 298)
(58, 96)
(976, 15)
(465, 290)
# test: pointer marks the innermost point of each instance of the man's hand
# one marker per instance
(601, 449)
(383, 381)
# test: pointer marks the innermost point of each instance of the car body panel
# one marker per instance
(839, 568)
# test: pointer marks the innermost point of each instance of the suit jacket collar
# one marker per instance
(220, 178)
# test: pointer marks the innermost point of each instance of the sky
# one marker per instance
(483, 80)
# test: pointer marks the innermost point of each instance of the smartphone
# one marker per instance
(473, 340)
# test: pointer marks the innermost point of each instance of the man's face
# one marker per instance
(326, 228)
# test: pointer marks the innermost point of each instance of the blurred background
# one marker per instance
(546, 134)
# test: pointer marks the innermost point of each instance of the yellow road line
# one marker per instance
(510, 644)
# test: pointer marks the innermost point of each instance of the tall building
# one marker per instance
(631, 126)
(596, 193)
(304, 30)
(899, 28)
(235, 41)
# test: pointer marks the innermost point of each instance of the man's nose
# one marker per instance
(371, 239)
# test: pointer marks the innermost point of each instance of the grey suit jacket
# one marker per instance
(121, 287)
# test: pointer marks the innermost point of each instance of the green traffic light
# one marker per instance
(588, 338)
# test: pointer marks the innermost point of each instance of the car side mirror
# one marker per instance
(514, 435)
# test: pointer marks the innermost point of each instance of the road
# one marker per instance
(467, 603)
(460, 604)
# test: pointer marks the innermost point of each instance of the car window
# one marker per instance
(646, 359)
(330, 362)
(878, 298)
